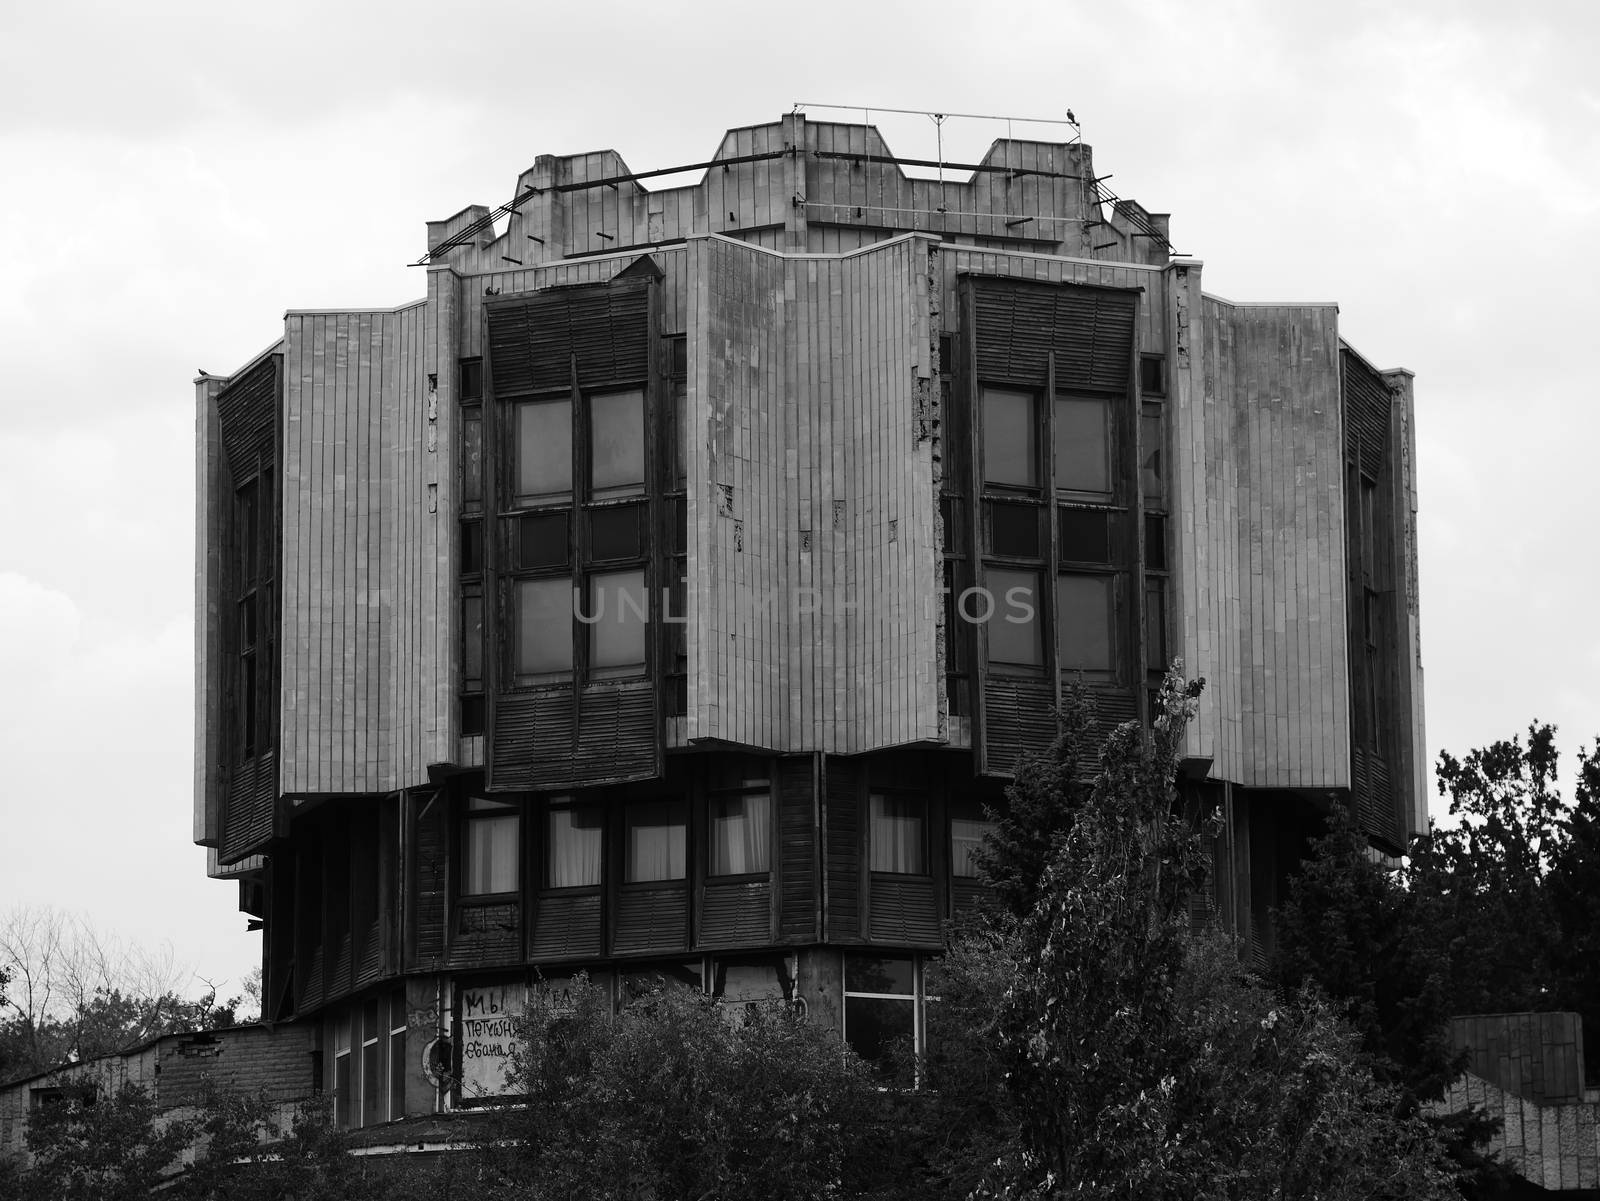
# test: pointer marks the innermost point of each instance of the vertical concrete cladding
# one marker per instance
(1261, 547)
(366, 554)
(813, 560)
(1414, 760)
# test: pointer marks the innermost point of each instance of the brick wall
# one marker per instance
(273, 1062)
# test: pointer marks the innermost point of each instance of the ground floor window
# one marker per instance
(884, 1006)
(368, 1039)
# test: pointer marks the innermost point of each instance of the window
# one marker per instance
(1015, 635)
(544, 619)
(1010, 438)
(617, 618)
(1085, 609)
(580, 553)
(491, 842)
(251, 571)
(883, 1004)
(1083, 445)
(654, 842)
(968, 828)
(544, 450)
(739, 833)
(472, 561)
(896, 834)
(574, 846)
(1152, 375)
(369, 1055)
(616, 441)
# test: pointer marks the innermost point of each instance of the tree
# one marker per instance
(1135, 1060)
(87, 1147)
(679, 1096)
(77, 993)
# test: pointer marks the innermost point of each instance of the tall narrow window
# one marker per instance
(618, 616)
(544, 450)
(897, 834)
(492, 847)
(740, 834)
(574, 847)
(1085, 606)
(1083, 445)
(654, 843)
(616, 441)
(1015, 626)
(544, 628)
(968, 828)
(1010, 438)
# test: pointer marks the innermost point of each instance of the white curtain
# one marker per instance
(574, 848)
(966, 836)
(741, 835)
(896, 834)
(491, 854)
(655, 843)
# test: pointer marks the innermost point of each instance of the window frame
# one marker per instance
(925, 845)
(494, 810)
(583, 564)
(750, 788)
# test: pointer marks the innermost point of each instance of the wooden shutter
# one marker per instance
(843, 822)
(793, 794)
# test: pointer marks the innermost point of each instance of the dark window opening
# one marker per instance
(1152, 375)
(1014, 530)
(542, 541)
(1085, 535)
(1155, 542)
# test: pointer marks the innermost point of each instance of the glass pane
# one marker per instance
(617, 615)
(614, 532)
(472, 643)
(374, 1087)
(472, 462)
(1151, 476)
(472, 716)
(895, 835)
(1155, 627)
(680, 433)
(544, 448)
(654, 842)
(575, 843)
(542, 540)
(872, 1024)
(397, 1075)
(544, 626)
(1083, 607)
(1083, 444)
(471, 547)
(1010, 438)
(1014, 627)
(616, 421)
(880, 973)
(967, 831)
(1152, 375)
(491, 855)
(1014, 530)
(1085, 536)
(741, 835)
(472, 379)
(1155, 543)
(344, 1105)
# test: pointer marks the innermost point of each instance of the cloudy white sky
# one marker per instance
(177, 175)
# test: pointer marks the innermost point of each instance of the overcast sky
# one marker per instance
(176, 176)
